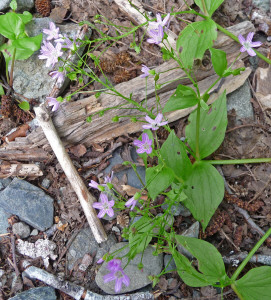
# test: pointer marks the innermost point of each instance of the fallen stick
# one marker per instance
(85, 198)
(235, 259)
(21, 170)
(73, 290)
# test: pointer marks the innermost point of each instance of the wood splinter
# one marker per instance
(85, 198)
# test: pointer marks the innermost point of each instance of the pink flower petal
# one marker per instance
(109, 277)
(147, 126)
(256, 44)
(101, 213)
(241, 39)
(110, 212)
(118, 285)
(243, 49)
(138, 143)
(159, 118)
(250, 37)
(251, 52)
(97, 205)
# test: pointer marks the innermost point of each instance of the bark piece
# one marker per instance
(20, 170)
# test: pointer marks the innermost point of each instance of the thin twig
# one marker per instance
(14, 254)
(229, 239)
(261, 191)
(246, 125)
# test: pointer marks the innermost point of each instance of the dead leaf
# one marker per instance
(58, 14)
(78, 150)
(98, 148)
(19, 132)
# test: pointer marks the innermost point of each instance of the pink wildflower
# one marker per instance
(51, 53)
(163, 23)
(154, 124)
(105, 206)
(247, 44)
(145, 70)
(52, 32)
(144, 145)
(57, 75)
(131, 202)
(156, 36)
(53, 102)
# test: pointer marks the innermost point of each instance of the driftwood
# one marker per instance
(70, 118)
(21, 170)
(85, 198)
(73, 290)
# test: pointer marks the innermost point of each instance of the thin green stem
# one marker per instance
(197, 133)
(204, 8)
(251, 253)
(236, 291)
(239, 161)
(212, 85)
(12, 68)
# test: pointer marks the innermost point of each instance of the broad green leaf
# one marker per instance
(256, 284)
(211, 5)
(188, 274)
(210, 262)
(141, 235)
(25, 47)
(11, 25)
(158, 179)
(204, 191)
(26, 17)
(195, 39)
(24, 105)
(175, 157)
(219, 61)
(183, 97)
(213, 124)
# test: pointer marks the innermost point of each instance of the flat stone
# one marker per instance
(39, 293)
(169, 263)
(4, 182)
(3, 221)
(22, 5)
(21, 229)
(239, 100)
(132, 179)
(29, 203)
(32, 71)
(177, 210)
(263, 4)
(192, 231)
(85, 243)
(138, 278)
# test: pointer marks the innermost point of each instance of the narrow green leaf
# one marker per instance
(158, 179)
(183, 97)
(26, 17)
(2, 92)
(211, 5)
(24, 105)
(11, 25)
(219, 61)
(213, 124)
(175, 157)
(210, 261)
(204, 191)
(256, 284)
(195, 39)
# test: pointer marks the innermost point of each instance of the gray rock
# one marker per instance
(239, 100)
(177, 210)
(3, 221)
(32, 71)
(169, 263)
(169, 220)
(192, 231)
(21, 229)
(138, 278)
(29, 203)
(22, 5)
(34, 232)
(40, 293)
(85, 243)
(263, 4)
(132, 179)
(4, 182)
(45, 183)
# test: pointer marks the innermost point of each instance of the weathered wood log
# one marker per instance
(70, 118)
(21, 170)
(85, 198)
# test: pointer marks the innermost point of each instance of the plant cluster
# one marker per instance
(183, 173)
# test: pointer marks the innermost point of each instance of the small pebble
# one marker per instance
(45, 183)
(21, 229)
(34, 232)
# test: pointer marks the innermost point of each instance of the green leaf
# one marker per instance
(2, 92)
(11, 25)
(219, 61)
(183, 97)
(24, 105)
(204, 105)
(26, 17)
(204, 191)
(211, 5)
(256, 284)
(158, 179)
(141, 235)
(212, 128)
(166, 53)
(195, 39)
(25, 47)
(13, 5)
(175, 157)
(210, 262)
(188, 274)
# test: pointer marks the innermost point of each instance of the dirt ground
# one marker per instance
(250, 184)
